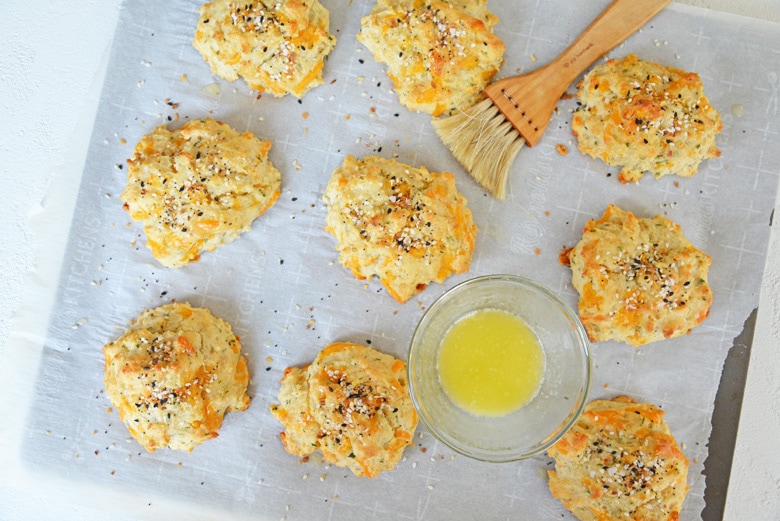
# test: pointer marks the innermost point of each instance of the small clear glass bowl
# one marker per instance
(565, 384)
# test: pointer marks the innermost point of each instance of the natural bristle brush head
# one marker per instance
(484, 142)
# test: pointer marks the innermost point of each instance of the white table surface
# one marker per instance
(52, 65)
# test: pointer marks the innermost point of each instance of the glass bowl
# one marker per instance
(565, 383)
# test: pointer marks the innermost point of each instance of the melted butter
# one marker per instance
(490, 363)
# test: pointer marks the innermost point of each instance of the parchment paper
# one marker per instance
(284, 292)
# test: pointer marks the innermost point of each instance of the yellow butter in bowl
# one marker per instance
(490, 363)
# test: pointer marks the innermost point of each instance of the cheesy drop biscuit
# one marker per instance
(174, 374)
(197, 188)
(277, 46)
(620, 461)
(645, 117)
(640, 280)
(440, 55)
(406, 225)
(352, 403)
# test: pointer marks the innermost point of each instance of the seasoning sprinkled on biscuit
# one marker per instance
(198, 187)
(440, 55)
(405, 225)
(277, 46)
(620, 461)
(352, 403)
(645, 117)
(174, 374)
(639, 279)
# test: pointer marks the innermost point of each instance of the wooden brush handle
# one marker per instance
(618, 21)
(528, 100)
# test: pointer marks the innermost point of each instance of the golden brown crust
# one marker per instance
(618, 462)
(406, 225)
(352, 403)
(174, 374)
(440, 55)
(640, 280)
(277, 46)
(643, 116)
(198, 187)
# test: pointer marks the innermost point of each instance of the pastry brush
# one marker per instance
(486, 137)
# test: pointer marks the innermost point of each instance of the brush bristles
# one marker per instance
(484, 142)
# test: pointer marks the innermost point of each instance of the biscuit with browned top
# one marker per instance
(352, 404)
(174, 374)
(620, 461)
(197, 188)
(440, 55)
(405, 225)
(645, 117)
(639, 279)
(278, 46)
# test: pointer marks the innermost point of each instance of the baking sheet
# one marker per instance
(285, 294)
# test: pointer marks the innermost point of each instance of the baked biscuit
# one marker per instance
(353, 404)
(643, 116)
(406, 225)
(277, 46)
(174, 374)
(197, 188)
(620, 461)
(440, 55)
(640, 280)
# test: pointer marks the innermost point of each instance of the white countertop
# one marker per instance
(52, 65)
